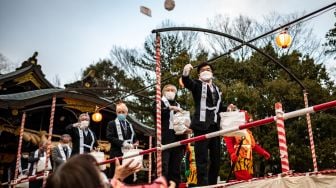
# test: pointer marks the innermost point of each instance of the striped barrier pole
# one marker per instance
(158, 107)
(150, 162)
(24, 180)
(257, 123)
(310, 132)
(280, 123)
(51, 125)
(18, 156)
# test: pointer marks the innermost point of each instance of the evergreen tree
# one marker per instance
(331, 40)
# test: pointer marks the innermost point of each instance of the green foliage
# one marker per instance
(117, 84)
(331, 40)
(254, 84)
(257, 83)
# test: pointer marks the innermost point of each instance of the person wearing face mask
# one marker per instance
(171, 159)
(36, 163)
(61, 152)
(83, 139)
(207, 104)
(121, 135)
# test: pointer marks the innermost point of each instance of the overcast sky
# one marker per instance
(71, 34)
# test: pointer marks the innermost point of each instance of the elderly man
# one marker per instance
(171, 159)
(62, 151)
(121, 135)
(83, 139)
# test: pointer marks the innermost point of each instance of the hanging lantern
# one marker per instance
(97, 117)
(15, 112)
(283, 40)
(87, 84)
(169, 5)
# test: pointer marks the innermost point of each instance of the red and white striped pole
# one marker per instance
(257, 123)
(23, 180)
(158, 107)
(18, 156)
(51, 125)
(310, 132)
(150, 161)
(280, 123)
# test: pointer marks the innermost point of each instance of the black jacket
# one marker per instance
(168, 135)
(74, 133)
(57, 157)
(195, 86)
(112, 137)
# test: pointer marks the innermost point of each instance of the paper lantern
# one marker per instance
(283, 40)
(97, 117)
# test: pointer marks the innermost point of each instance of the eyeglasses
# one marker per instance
(121, 112)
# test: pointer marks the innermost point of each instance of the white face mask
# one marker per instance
(170, 95)
(206, 75)
(84, 124)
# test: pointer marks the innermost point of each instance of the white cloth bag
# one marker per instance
(41, 164)
(181, 122)
(137, 159)
(232, 120)
(100, 157)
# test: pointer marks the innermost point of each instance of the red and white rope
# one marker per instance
(18, 156)
(310, 132)
(280, 123)
(158, 106)
(51, 125)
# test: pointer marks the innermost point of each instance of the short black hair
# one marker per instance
(203, 65)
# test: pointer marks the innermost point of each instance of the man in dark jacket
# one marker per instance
(83, 139)
(61, 152)
(121, 135)
(171, 158)
(37, 160)
(207, 103)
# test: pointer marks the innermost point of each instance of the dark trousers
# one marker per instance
(211, 147)
(171, 164)
(36, 183)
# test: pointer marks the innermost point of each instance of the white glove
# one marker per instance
(186, 70)
(76, 124)
(175, 108)
(127, 145)
(232, 108)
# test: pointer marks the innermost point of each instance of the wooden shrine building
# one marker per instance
(27, 90)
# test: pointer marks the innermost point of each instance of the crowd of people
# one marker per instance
(72, 166)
